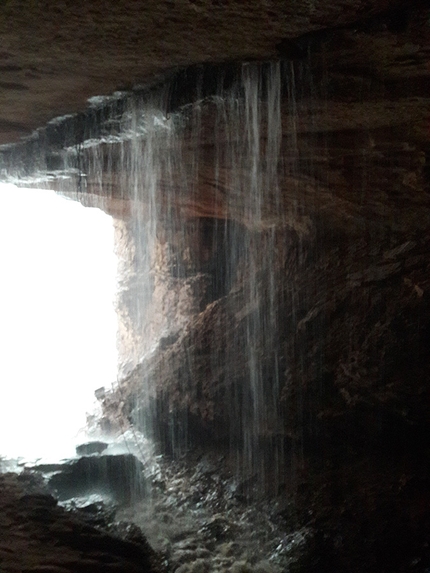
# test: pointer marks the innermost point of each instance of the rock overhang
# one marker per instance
(54, 56)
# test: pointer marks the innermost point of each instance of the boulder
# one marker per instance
(39, 536)
(119, 477)
(91, 448)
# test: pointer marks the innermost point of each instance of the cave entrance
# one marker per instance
(58, 322)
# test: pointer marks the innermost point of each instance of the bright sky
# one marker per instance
(57, 319)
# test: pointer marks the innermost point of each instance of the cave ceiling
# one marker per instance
(56, 55)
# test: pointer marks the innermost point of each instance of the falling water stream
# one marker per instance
(196, 188)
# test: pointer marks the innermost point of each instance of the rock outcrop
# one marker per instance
(120, 477)
(38, 536)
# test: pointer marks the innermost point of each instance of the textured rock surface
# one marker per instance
(55, 55)
(37, 536)
(118, 476)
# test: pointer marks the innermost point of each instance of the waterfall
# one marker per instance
(252, 150)
(192, 172)
(204, 182)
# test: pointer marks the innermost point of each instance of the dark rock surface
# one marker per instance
(91, 448)
(118, 476)
(36, 535)
(53, 56)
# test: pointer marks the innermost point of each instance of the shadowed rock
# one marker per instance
(91, 448)
(117, 476)
(38, 536)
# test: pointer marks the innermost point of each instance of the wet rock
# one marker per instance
(119, 477)
(47, 468)
(166, 341)
(100, 393)
(264, 567)
(241, 567)
(128, 531)
(38, 500)
(175, 35)
(60, 541)
(32, 482)
(93, 509)
(91, 448)
(217, 528)
(198, 566)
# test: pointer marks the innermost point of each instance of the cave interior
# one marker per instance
(270, 199)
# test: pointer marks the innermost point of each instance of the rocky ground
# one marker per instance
(197, 513)
(198, 517)
(204, 517)
(39, 536)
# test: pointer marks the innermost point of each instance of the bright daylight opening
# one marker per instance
(57, 319)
